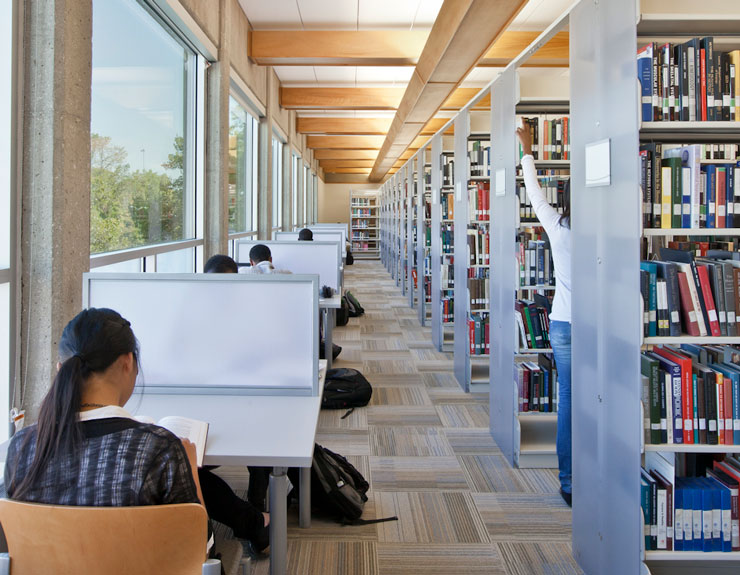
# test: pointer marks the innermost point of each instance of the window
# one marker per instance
(294, 179)
(243, 149)
(306, 183)
(277, 183)
(7, 54)
(145, 83)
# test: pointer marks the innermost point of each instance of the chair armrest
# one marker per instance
(4, 564)
(210, 567)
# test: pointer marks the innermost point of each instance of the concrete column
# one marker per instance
(264, 201)
(217, 144)
(55, 233)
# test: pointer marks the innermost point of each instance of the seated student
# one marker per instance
(305, 235)
(82, 423)
(260, 259)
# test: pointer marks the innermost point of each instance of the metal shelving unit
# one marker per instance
(365, 215)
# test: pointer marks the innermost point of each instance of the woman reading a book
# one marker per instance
(557, 226)
(86, 449)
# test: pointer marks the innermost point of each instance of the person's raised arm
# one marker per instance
(548, 216)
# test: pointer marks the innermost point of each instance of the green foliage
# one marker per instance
(131, 209)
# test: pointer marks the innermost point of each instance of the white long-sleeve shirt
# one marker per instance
(559, 240)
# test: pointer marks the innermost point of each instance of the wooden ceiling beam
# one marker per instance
(340, 126)
(340, 98)
(365, 171)
(330, 178)
(332, 154)
(463, 33)
(329, 164)
(384, 48)
(345, 142)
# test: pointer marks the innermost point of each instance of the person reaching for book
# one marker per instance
(557, 226)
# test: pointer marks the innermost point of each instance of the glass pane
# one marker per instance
(277, 182)
(6, 60)
(238, 185)
(138, 129)
(181, 261)
(295, 171)
(129, 266)
(4, 360)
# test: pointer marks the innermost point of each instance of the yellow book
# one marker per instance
(665, 197)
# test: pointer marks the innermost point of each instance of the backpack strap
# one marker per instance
(347, 414)
(346, 521)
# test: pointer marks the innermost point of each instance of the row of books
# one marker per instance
(679, 192)
(720, 151)
(681, 294)
(448, 170)
(704, 246)
(357, 202)
(448, 309)
(690, 513)
(688, 82)
(479, 158)
(478, 291)
(535, 263)
(363, 235)
(550, 137)
(360, 224)
(447, 276)
(691, 395)
(479, 251)
(479, 202)
(447, 201)
(447, 231)
(362, 213)
(533, 323)
(479, 334)
(552, 183)
(537, 385)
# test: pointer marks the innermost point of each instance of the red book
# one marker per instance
(471, 335)
(703, 83)
(525, 388)
(687, 389)
(721, 199)
(687, 306)
(708, 300)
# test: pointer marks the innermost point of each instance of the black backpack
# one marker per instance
(345, 387)
(337, 487)
(349, 260)
(355, 309)
(342, 314)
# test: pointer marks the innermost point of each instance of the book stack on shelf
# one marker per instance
(536, 268)
(448, 169)
(478, 236)
(537, 385)
(479, 158)
(690, 287)
(365, 224)
(550, 137)
(427, 195)
(552, 182)
(688, 82)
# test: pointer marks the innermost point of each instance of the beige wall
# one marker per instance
(334, 200)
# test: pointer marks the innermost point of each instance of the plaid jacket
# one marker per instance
(121, 462)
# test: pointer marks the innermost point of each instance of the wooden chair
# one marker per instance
(156, 539)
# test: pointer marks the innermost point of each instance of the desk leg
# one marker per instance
(278, 521)
(328, 327)
(304, 513)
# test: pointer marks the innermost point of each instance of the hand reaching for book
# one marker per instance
(526, 139)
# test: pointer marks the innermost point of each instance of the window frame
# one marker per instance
(253, 125)
(278, 146)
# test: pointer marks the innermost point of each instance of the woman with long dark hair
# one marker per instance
(557, 226)
(86, 449)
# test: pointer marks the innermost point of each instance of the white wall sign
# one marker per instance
(598, 164)
(501, 182)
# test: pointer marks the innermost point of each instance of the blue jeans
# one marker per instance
(560, 341)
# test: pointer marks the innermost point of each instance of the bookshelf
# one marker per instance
(471, 264)
(424, 238)
(607, 237)
(365, 224)
(442, 241)
(412, 232)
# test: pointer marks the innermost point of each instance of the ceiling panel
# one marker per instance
(384, 74)
(426, 14)
(275, 14)
(336, 74)
(480, 77)
(328, 14)
(387, 14)
(296, 74)
(539, 14)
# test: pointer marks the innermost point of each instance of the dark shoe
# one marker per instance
(251, 552)
(567, 497)
(262, 540)
(335, 351)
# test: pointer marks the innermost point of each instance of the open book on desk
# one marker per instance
(185, 428)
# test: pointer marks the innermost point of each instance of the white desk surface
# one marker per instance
(263, 430)
(334, 301)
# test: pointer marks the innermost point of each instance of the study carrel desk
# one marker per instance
(277, 431)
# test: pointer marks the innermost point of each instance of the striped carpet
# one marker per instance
(425, 448)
